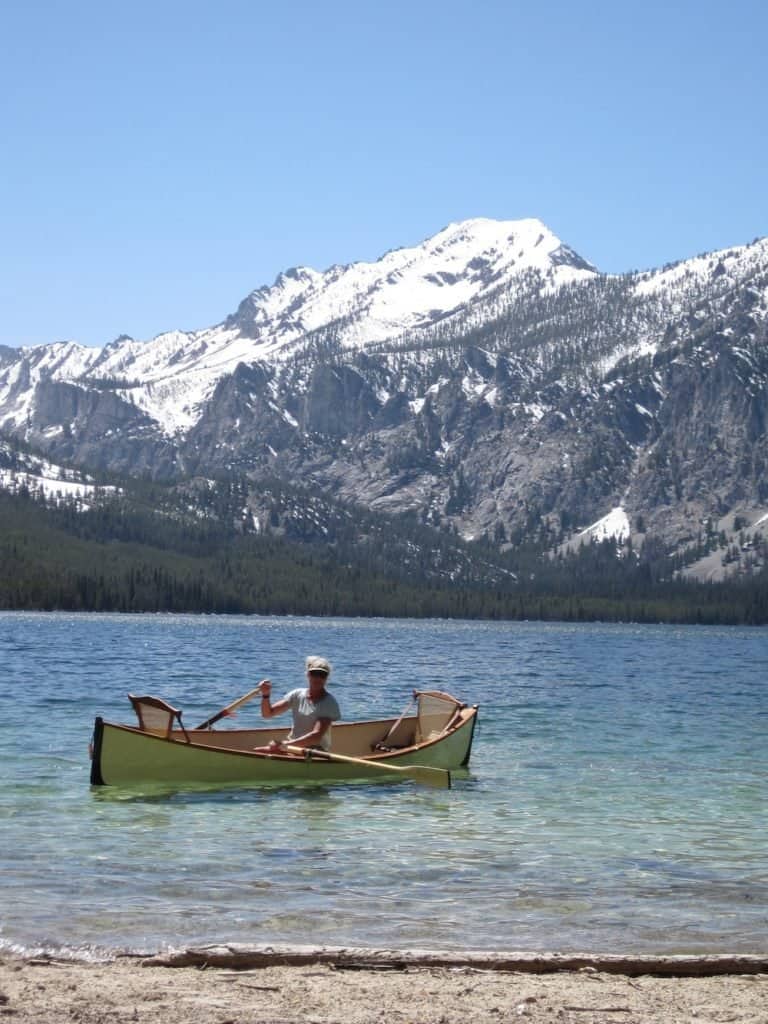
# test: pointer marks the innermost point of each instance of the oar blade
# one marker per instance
(437, 778)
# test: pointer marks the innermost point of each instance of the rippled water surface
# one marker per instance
(616, 799)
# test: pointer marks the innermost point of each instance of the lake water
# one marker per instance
(616, 800)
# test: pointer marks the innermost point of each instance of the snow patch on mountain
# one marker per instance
(22, 472)
(58, 361)
(614, 526)
(732, 264)
(51, 486)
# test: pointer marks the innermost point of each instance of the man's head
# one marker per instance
(318, 667)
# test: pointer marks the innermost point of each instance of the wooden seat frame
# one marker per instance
(157, 704)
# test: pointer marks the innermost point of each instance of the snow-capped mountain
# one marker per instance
(408, 290)
(489, 379)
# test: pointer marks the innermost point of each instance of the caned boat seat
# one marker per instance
(437, 713)
(156, 716)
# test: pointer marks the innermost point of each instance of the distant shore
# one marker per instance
(405, 988)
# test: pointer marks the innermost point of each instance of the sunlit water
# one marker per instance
(616, 799)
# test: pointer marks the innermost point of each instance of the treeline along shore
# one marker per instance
(119, 558)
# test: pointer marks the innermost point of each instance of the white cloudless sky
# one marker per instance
(160, 160)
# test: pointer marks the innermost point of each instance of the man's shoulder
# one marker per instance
(332, 704)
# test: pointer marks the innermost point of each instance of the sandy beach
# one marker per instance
(50, 991)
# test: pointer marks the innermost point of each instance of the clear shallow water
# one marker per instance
(617, 798)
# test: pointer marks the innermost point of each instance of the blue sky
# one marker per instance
(161, 160)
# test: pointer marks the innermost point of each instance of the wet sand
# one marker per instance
(50, 991)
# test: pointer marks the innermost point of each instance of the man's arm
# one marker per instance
(272, 710)
(268, 709)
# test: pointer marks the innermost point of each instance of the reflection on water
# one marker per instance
(615, 799)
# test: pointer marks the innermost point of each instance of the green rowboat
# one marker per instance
(423, 746)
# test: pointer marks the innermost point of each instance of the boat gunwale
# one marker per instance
(378, 757)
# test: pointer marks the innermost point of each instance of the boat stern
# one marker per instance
(95, 752)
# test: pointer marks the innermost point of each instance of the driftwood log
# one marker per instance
(241, 957)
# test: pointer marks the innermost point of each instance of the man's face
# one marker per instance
(316, 682)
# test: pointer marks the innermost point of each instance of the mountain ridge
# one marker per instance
(270, 315)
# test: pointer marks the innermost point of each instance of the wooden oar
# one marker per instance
(230, 708)
(438, 778)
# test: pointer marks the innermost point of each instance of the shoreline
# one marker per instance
(288, 985)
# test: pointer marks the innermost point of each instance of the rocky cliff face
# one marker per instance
(490, 380)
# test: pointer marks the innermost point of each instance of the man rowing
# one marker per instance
(314, 709)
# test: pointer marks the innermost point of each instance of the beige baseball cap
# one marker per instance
(317, 664)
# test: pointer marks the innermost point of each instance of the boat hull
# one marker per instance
(124, 755)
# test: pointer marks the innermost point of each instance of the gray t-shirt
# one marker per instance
(306, 713)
